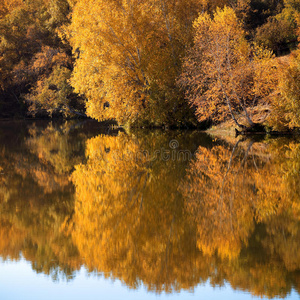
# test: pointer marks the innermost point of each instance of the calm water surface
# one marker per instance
(88, 212)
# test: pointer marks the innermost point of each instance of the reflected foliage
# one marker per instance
(245, 203)
(138, 229)
(36, 196)
(141, 209)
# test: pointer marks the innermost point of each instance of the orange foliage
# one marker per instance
(223, 75)
(137, 227)
(232, 214)
(128, 60)
(217, 194)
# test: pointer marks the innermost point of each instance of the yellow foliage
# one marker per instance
(286, 103)
(39, 199)
(218, 201)
(128, 207)
(161, 221)
(223, 74)
(226, 192)
(7, 6)
(129, 55)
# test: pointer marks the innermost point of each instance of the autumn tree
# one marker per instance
(7, 6)
(53, 95)
(279, 32)
(276, 35)
(286, 103)
(128, 60)
(224, 76)
(30, 48)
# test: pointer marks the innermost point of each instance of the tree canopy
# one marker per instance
(173, 63)
(223, 74)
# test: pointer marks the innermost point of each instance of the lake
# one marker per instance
(92, 212)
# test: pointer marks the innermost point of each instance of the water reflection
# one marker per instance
(36, 196)
(72, 196)
(133, 214)
(245, 204)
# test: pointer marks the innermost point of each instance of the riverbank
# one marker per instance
(229, 129)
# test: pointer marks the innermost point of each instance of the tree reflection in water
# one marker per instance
(231, 214)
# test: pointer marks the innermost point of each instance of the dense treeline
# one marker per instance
(35, 62)
(152, 63)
